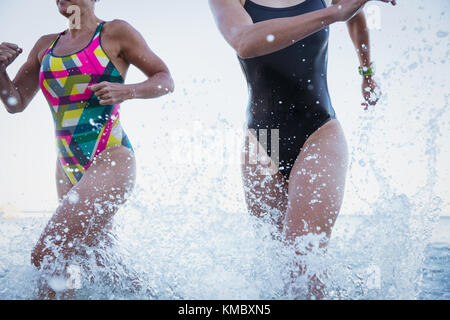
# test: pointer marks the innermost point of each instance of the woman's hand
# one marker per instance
(348, 8)
(8, 53)
(112, 93)
(371, 92)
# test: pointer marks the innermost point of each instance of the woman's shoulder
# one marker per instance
(47, 39)
(117, 26)
(43, 43)
(118, 29)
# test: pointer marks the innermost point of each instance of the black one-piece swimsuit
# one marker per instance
(288, 88)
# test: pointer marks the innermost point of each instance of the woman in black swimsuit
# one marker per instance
(282, 46)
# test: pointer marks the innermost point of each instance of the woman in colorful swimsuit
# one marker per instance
(81, 72)
(282, 46)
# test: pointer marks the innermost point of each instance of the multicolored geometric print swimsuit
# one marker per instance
(84, 128)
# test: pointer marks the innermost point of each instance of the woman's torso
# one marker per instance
(83, 127)
(291, 84)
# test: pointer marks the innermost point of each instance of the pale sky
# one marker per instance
(410, 45)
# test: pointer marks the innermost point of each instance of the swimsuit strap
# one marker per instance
(53, 44)
(99, 28)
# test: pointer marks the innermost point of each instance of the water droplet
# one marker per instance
(12, 101)
(73, 197)
(58, 284)
(362, 163)
(441, 34)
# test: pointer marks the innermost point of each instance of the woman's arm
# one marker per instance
(251, 39)
(17, 94)
(359, 34)
(357, 28)
(134, 50)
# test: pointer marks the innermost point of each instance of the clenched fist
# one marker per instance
(371, 92)
(8, 53)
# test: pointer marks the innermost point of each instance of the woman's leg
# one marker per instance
(265, 188)
(63, 184)
(317, 183)
(85, 212)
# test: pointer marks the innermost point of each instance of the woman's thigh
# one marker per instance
(86, 211)
(63, 184)
(317, 182)
(265, 188)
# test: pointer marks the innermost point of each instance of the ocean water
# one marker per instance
(436, 268)
(226, 258)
